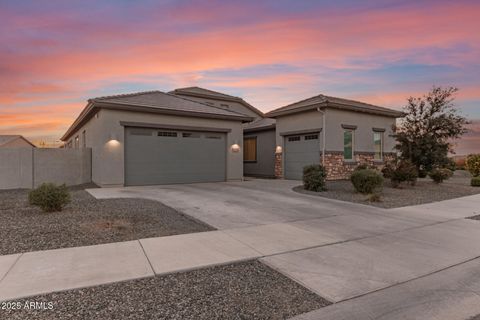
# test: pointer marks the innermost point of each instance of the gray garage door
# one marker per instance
(300, 150)
(154, 156)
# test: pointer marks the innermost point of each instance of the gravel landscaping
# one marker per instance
(86, 221)
(249, 290)
(425, 191)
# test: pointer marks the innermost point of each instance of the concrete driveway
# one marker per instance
(345, 252)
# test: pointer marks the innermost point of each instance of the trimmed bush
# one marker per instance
(49, 197)
(473, 164)
(314, 177)
(475, 182)
(366, 181)
(440, 175)
(405, 171)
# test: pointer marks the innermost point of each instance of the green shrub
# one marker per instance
(475, 182)
(49, 197)
(314, 177)
(473, 164)
(366, 181)
(405, 171)
(388, 169)
(362, 166)
(439, 175)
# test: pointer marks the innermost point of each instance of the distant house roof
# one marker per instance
(260, 125)
(205, 93)
(7, 138)
(332, 102)
(153, 102)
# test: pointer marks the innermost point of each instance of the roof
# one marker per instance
(333, 102)
(7, 138)
(153, 102)
(260, 125)
(205, 93)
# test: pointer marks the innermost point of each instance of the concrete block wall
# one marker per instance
(30, 167)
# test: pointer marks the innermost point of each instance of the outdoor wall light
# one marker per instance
(112, 137)
(278, 149)
(235, 148)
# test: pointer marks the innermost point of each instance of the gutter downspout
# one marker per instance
(323, 134)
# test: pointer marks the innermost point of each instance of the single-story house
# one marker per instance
(15, 141)
(150, 138)
(335, 132)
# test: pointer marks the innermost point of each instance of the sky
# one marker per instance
(56, 54)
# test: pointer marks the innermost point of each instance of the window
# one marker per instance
(250, 149)
(190, 135)
(141, 132)
(167, 134)
(291, 139)
(348, 144)
(77, 142)
(311, 137)
(378, 145)
(84, 139)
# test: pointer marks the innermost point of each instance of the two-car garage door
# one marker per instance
(155, 156)
(300, 150)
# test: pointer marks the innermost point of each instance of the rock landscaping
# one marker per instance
(425, 191)
(248, 290)
(85, 221)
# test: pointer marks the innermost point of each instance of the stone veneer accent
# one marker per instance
(278, 165)
(337, 167)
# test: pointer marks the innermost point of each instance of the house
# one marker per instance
(335, 132)
(259, 135)
(15, 141)
(150, 138)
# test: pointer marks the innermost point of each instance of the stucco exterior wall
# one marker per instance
(16, 170)
(106, 137)
(265, 164)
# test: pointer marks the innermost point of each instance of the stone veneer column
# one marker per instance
(278, 166)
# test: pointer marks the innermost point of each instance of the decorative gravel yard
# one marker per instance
(249, 290)
(86, 221)
(425, 191)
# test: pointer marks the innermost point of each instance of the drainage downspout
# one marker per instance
(323, 135)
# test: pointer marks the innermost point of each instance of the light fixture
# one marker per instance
(112, 137)
(235, 148)
(278, 149)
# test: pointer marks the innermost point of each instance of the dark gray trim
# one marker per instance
(348, 126)
(378, 129)
(172, 127)
(297, 132)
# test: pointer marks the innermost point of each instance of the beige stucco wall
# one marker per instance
(16, 168)
(108, 156)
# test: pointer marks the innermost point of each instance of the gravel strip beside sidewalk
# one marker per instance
(86, 221)
(249, 290)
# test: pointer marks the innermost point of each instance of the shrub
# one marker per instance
(314, 177)
(439, 175)
(49, 197)
(475, 182)
(366, 181)
(362, 166)
(405, 171)
(388, 169)
(473, 164)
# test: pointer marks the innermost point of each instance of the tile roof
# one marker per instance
(334, 102)
(261, 124)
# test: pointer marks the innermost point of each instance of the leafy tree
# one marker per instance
(430, 124)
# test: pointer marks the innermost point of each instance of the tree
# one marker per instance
(431, 122)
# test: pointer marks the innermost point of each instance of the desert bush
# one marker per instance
(405, 171)
(388, 169)
(473, 164)
(475, 182)
(366, 181)
(440, 174)
(314, 177)
(49, 197)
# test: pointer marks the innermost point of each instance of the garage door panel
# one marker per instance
(166, 160)
(300, 152)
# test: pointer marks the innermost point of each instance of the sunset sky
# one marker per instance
(56, 54)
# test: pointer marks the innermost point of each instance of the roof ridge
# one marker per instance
(290, 104)
(357, 101)
(126, 95)
(217, 92)
(205, 104)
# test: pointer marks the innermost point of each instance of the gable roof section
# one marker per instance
(260, 125)
(5, 139)
(205, 93)
(153, 102)
(333, 102)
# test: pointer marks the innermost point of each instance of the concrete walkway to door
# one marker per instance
(341, 251)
